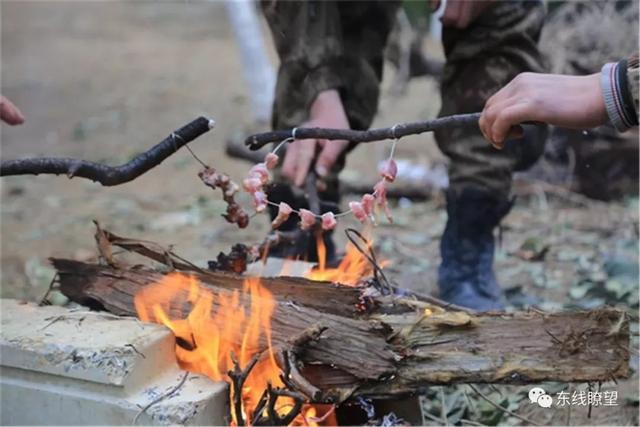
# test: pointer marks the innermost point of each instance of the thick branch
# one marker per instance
(110, 175)
(257, 141)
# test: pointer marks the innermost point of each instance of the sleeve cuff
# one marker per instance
(620, 109)
(298, 87)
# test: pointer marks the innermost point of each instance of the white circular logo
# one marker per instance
(545, 401)
(535, 393)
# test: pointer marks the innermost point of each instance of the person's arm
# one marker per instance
(576, 102)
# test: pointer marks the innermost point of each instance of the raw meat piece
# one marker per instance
(307, 219)
(284, 210)
(328, 221)
(271, 160)
(389, 170)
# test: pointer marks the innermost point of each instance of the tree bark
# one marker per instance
(110, 175)
(257, 141)
(389, 346)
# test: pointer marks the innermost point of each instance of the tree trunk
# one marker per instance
(258, 70)
(383, 346)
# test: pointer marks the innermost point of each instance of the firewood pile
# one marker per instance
(326, 343)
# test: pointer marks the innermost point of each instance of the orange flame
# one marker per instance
(209, 328)
(351, 270)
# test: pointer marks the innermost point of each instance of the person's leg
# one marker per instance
(481, 59)
(347, 38)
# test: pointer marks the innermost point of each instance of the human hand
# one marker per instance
(460, 13)
(327, 112)
(9, 113)
(574, 102)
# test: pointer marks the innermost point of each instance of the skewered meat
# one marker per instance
(380, 192)
(368, 204)
(328, 221)
(284, 210)
(358, 211)
(260, 171)
(271, 160)
(260, 201)
(235, 214)
(307, 219)
(251, 185)
(389, 170)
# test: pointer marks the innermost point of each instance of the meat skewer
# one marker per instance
(284, 210)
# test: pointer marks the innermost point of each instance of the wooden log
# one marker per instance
(382, 346)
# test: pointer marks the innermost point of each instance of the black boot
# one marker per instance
(466, 276)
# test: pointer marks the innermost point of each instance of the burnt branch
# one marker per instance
(238, 377)
(272, 418)
(291, 375)
(257, 141)
(110, 175)
(293, 378)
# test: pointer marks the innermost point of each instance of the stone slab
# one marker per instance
(77, 367)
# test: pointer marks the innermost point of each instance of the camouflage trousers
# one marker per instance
(500, 44)
(480, 59)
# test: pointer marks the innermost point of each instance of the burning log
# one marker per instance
(370, 344)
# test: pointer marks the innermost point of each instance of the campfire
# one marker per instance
(352, 270)
(219, 334)
(293, 348)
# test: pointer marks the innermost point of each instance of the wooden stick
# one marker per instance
(110, 175)
(502, 408)
(257, 141)
(162, 397)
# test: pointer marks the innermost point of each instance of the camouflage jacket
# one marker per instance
(328, 45)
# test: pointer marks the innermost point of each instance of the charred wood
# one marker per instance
(392, 347)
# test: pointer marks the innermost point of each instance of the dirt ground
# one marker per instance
(106, 80)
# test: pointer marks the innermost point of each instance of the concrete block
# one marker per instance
(66, 367)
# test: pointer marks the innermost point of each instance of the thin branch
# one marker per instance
(432, 417)
(150, 250)
(257, 141)
(291, 376)
(161, 398)
(502, 408)
(311, 192)
(44, 300)
(298, 400)
(238, 377)
(472, 423)
(443, 408)
(110, 175)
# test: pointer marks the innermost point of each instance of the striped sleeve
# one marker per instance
(633, 75)
(620, 92)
